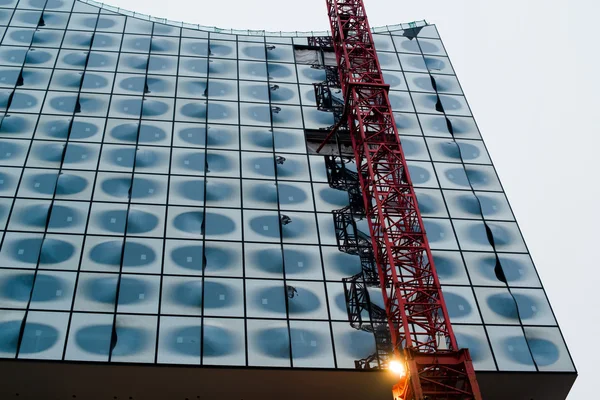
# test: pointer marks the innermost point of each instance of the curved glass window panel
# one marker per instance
(222, 259)
(186, 191)
(138, 294)
(431, 203)
(259, 194)
(155, 133)
(328, 199)
(188, 162)
(12, 153)
(53, 290)
(397, 82)
(265, 298)
(222, 49)
(151, 159)
(18, 36)
(280, 53)
(445, 150)
(145, 220)
(222, 112)
(189, 135)
(431, 46)
(222, 163)
(255, 114)
(475, 339)
(452, 176)
(14, 56)
(251, 51)
(10, 325)
(83, 22)
(307, 94)
(311, 345)
(26, 101)
(223, 342)
(192, 88)
(135, 25)
(44, 336)
(96, 292)
(133, 63)
(295, 196)
(534, 308)
(435, 126)
(9, 77)
(302, 262)
(548, 349)
(185, 223)
(136, 339)
(29, 215)
(35, 78)
(117, 158)
(339, 265)
(53, 127)
(179, 340)
(262, 226)
(517, 269)
(254, 91)
(195, 66)
(294, 167)
(472, 235)
(440, 234)
(47, 38)
(126, 106)
(450, 267)
(136, 44)
(129, 84)
(223, 224)
(105, 41)
(422, 174)
(301, 229)
(89, 337)
(164, 65)
(495, 206)
(146, 189)
(81, 156)
(164, 45)
(166, 30)
(263, 261)
(498, 306)
(68, 217)
(473, 152)
(38, 183)
(66, 80)
(268, 343)
(181, 296)
(388, 61)
(20, 250)
(160, 86)
(309, 301)
(455, 105)
(60, 252)
(313, 119)
(289, 140)
(221, 192)
(67, 59)
(87, 129)
(222, 68)
(383, 42)
(483, 177)
(510, 348)
(507, 237)
(284, 93)
(191, 110)
(113, 187)
(256, 139)
(407, 124)
(279, 72)
(258, 165)
(430, 103)
(414, 148)
(103, 61)
(194, 47)
(102, 253)
(187, 257)
(223, 297)
(16, 287)
(37, 57)
(462, 204)
(252, 70)
(351, 344)
(107, 219)
(461, 304)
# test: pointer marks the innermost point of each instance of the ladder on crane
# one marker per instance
(423, 345)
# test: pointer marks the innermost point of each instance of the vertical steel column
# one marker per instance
(417, 316)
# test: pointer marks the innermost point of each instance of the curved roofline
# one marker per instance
(246, 32)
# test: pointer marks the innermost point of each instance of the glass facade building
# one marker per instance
(160, 204)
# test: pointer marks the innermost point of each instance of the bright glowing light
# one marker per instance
(397, 368)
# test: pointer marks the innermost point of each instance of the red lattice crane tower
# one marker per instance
(421, 335)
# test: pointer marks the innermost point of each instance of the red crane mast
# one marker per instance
(421, 335)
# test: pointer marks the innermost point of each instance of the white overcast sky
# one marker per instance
(530, 71)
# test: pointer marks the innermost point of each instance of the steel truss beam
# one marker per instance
(416, 314)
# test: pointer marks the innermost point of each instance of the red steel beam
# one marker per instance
(417, 316)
